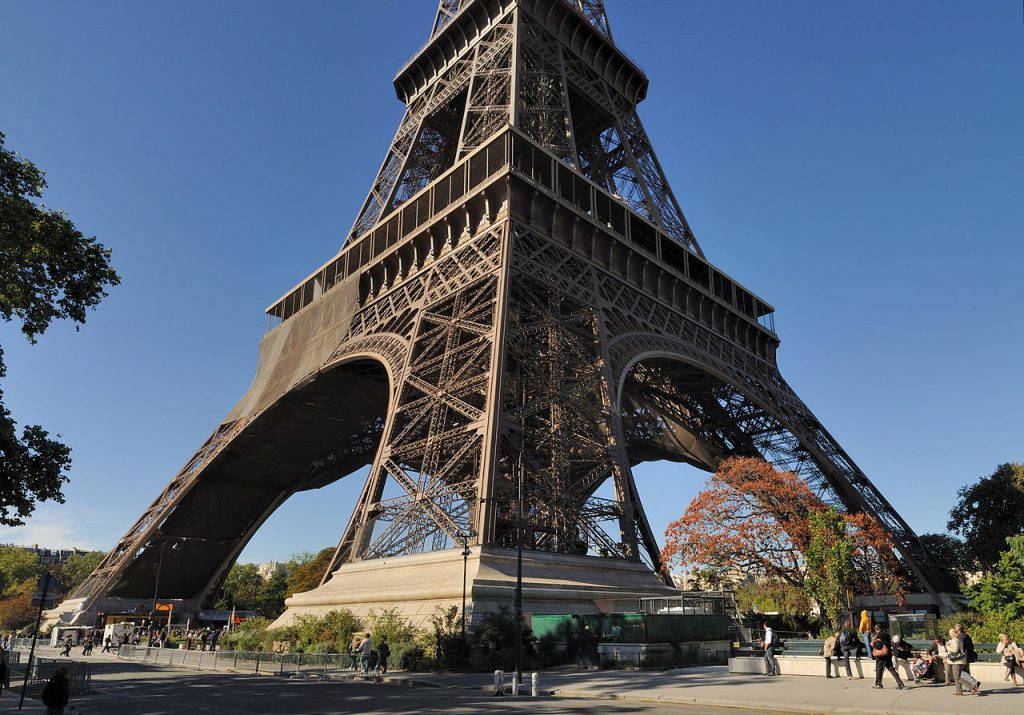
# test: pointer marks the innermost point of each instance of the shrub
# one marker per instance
(335, 627)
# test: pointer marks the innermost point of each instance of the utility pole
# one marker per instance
(518, 605)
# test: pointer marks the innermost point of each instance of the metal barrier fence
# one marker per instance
(79, 674)
(294, 665)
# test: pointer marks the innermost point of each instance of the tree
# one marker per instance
(76, 568)
(829, 558)
(755, 522)
(16, 613)
(988, 512)
(307, 576)
(48, 271)
(1000, 593)
(19, 571)
(950, 553)
(241, 588)
(271, 594)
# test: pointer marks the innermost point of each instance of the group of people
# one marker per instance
(202, 638)
(946, 658)
(91, 638)
(362, 653)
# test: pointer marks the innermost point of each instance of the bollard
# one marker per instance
(535, 684)
(499, 682)
(515, 683)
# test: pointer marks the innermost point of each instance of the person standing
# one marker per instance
(865, 630)
(213, 638)
(847, 646)
(56, 693)
(768, 643)
(828, 649)
(365, 649)
(1011, 656)
(881, 651)
(203, 636)
(5, 672)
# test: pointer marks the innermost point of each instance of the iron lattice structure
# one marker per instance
(520, 305)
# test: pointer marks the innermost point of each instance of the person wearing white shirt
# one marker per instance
(769, 652)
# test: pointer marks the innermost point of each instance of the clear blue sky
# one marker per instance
(858, 164)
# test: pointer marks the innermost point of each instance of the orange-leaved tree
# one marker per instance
(755, 521)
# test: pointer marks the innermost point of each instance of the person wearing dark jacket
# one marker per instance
(881, 650)
(56, 693)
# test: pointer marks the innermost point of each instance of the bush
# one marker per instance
(251, 634)
(334, 627)
(416, 658)
(984, 628)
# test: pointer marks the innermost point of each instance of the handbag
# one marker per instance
(880, 652)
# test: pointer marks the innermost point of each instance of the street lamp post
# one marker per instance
(518, 609)
(465, 566)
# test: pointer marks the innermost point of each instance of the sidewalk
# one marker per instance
(711, 686)
(715, 687)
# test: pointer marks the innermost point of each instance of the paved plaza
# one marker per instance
(139, 689)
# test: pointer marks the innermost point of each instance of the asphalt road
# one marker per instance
(133, 689)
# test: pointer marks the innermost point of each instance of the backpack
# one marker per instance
(776, 641)
(845, 638)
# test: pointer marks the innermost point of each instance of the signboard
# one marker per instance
(37, 600)
(164, 607)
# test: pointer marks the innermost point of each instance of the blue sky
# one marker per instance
(860, 165)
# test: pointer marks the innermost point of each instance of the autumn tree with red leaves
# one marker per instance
(762, 523)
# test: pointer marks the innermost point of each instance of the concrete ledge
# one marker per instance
(815, 666)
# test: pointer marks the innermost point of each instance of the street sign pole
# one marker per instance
(44, 584)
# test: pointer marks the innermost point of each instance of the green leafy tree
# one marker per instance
(76, 568)
(829, 560)
(950, 553)
(772, 596)
(241, 588)
(19, 571)
(988, 512)
(1001, 592)
(48, 271)
(271, 594)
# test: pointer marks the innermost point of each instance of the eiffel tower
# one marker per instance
(519, 316)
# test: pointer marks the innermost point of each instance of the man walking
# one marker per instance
(69, 640)
(383, 653)
(768, 643)
(828, 650)
(881, 651)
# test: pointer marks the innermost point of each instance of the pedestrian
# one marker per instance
(936, 655)
(902, 654)
(865, 630)
(365, 649)
(5, 672)
(87, 644)
(957, 657)
(768, 643)
(384, 652)
(1012, 656)
(881, 651)
(69, 641)
(968, 645)
(828, 649)
(203, 636)
(55, 692)
(847, 646)
(214, 636)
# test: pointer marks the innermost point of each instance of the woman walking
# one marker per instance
(1011, 656)
(957, 657)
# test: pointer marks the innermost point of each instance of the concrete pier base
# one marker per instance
(416, 585)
